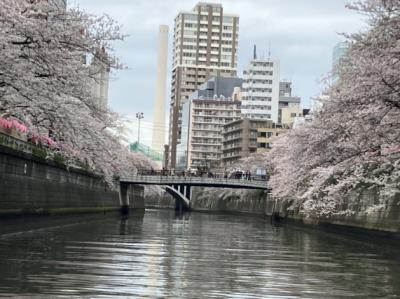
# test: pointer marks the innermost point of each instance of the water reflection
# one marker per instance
(164, 255)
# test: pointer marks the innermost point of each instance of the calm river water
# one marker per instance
(161, 255)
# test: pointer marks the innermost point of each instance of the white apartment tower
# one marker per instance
(260, 94)
(204, 45)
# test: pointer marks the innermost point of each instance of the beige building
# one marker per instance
(266, 135)
(240, 139)
(290, 114)
(204, 45)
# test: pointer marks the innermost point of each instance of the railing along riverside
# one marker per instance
(191, 180)
(15, 143)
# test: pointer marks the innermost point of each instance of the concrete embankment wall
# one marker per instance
(229, 200)
(212, 199)
(31, 185)
(361, 209)
(367, 211)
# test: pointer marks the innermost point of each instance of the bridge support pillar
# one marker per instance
(188, 192)
(131, 197)
(182, 189)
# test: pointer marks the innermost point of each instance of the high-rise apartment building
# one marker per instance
(260, 93)
(204, 45)
(203, 116)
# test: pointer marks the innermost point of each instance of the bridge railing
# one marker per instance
(162, 180)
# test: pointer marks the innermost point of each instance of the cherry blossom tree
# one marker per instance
(46, 80)
(353, 142)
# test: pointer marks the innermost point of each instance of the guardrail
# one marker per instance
(15, 143)
(196, 181)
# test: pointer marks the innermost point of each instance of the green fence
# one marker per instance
(147, 151)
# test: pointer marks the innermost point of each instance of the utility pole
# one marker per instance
(139, 116)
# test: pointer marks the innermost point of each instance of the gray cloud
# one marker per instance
(301, 33)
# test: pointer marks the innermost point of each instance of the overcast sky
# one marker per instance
(300, 33)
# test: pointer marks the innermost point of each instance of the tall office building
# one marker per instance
(205, 45)
(260, 94)
(159, 107)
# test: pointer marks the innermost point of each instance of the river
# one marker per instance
(197, 255)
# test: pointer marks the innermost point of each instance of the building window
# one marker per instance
(292, 114)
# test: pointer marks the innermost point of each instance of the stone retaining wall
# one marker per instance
(29, 184)
(368, 210)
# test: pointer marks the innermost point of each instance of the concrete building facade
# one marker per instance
(203, 116)
(240, 139)
(266, 135)
(290, 114)
(260, 92)
(204, 45)
(158, 139)
(286, 99)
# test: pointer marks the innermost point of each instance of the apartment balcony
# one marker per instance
(231, 130)
(232, 138)
(206, 130)
(206, 151)
(208, 144)
(231, 157)
(234, 146)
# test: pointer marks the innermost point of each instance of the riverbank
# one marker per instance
(382, 220)
(31, 185)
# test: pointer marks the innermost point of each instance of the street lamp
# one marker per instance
(139, 116)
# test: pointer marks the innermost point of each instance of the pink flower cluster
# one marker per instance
(33, 136)
(13, 124)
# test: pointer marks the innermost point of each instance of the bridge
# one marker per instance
(180, 187)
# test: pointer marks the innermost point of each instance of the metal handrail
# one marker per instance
(164, 179)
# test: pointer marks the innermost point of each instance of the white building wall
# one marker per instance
(261, 90)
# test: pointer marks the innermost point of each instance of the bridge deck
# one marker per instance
(194, 181)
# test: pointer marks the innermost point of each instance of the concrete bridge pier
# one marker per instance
(181, 204)
(188, 192)
(131, 197)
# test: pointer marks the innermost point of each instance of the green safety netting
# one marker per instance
(146, 150)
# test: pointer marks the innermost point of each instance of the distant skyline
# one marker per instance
(301, 34)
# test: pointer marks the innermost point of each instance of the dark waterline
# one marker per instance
(199, 255)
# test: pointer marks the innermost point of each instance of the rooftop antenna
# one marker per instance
(269, 52)
(255, 52)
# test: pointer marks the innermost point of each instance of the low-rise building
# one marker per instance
(290, 114)
(266, 135)
(240, 139)
(286, 99)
